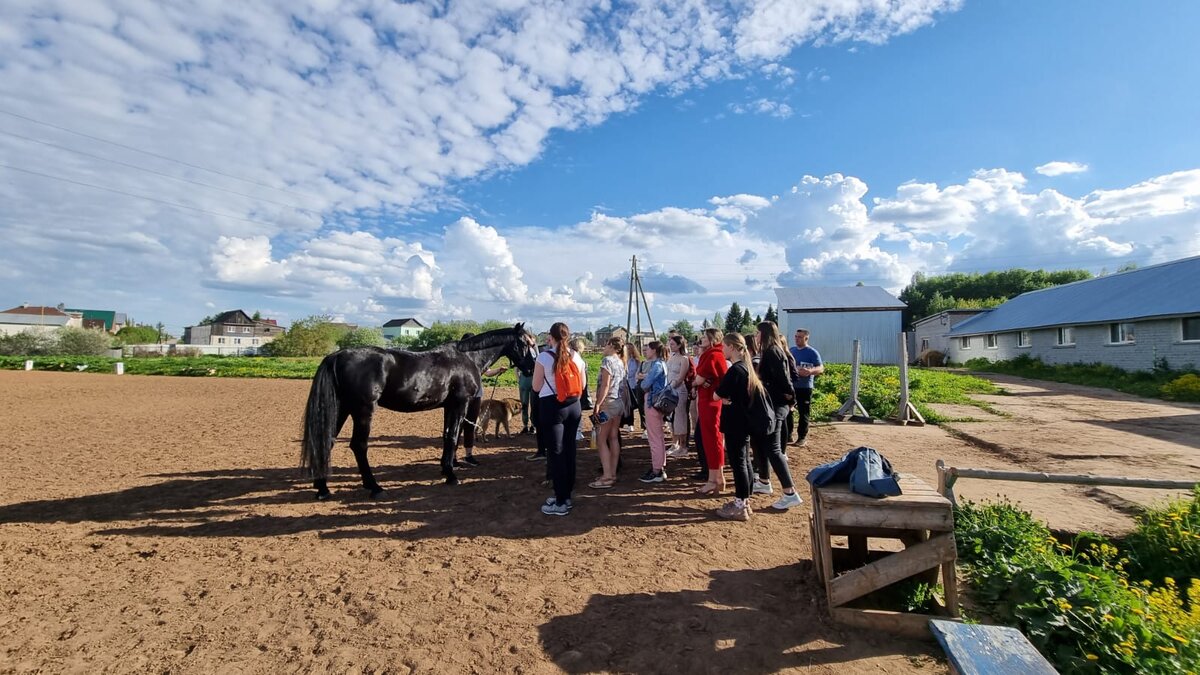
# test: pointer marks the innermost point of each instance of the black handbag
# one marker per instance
(585, 401)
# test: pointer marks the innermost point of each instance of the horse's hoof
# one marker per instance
(322, 496)
(452, 480)
(379, 493)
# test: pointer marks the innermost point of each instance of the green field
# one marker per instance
(879, 387)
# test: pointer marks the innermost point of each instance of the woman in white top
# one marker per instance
(558, 420)
(677, 369)
(607, 418)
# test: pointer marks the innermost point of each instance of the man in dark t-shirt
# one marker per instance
(808, 364)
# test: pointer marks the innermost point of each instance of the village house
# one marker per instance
(407, 327)
(1134, 320)
(234, 328)
(37, 319)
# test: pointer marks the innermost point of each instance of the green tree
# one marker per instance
(138, 335)
(257, 315)
(705, 325)
(717, 320)
(310, 336)
(771, 315)
(733, 319)
(747, 321)
(73, 341)
(684, 328)
(362, 337)
(442, 332)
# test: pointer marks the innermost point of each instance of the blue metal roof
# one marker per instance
(1169, 289)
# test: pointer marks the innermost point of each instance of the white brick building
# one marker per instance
(1131, 320)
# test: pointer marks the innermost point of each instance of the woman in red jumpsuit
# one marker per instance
(709, 372)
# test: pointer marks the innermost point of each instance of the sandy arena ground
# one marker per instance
(158, 525)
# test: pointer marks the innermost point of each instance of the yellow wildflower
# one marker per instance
(1167, 650)
(1093, 657)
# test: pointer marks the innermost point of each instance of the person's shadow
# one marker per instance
(747, 621)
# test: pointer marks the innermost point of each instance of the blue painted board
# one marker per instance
(988, 650)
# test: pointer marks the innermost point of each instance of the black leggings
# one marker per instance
(737, 455)
(768, 451)
(559, 422)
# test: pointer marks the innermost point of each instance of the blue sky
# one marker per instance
(484, 161)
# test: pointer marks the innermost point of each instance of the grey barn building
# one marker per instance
(1129, 320)
(837, 316)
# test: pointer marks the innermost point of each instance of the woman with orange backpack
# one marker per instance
(558, 379)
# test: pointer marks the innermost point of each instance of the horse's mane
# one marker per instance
(488, 340)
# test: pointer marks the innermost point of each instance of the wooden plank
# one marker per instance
(986, 650)
(937, 519)
(914, 626)
(815, 546)
(873, 532)
(950, 587)
(854, 499)
(895, 567)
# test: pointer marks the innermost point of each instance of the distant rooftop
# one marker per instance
(35, 309)
(833, 298)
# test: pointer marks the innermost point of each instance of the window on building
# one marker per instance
(237, 341)
(254, 341)
(924, 344)
(231, 329)
(1066, 336)
(964, 343)
(220, 341)
(247, 329)
(1023, 339)
(991, 341)
(1191, 328)
(1120, 333)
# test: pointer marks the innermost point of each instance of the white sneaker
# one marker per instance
(646, 435)
(787, 501)
(677, 452)
(761, 488)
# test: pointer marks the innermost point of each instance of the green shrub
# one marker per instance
(1149, 383)
(81, 342)
(879, 390)
(1076, 604)
(1166, 542)
(27, 343)
(362, 337)
(1183, 388)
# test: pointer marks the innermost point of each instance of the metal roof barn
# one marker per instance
(1167, 290)
(837, 316)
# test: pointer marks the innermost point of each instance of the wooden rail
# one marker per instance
(948, 475)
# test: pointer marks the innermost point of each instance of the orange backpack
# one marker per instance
(568, 381)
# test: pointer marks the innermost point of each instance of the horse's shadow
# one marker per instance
(747, 621)
(500, 499)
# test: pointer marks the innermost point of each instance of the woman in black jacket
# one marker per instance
(737, 391)
(775, 371)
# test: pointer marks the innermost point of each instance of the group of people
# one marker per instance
(733, 399)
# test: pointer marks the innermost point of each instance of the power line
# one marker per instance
(153, 154)
(131, 194)
(157, 173)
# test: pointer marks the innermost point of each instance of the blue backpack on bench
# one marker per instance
(868, 473)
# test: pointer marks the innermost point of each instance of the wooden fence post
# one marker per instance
(907, 413)
(852, 408)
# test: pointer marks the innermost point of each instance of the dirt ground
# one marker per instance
(159, 525)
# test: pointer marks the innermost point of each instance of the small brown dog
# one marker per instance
(501, 411)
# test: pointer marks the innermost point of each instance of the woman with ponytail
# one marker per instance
(709, 372)
(559, 414)
(738, 391)
(775, 371)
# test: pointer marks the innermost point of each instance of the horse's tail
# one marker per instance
(320, 420)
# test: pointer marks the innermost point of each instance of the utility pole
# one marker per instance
(634, 307)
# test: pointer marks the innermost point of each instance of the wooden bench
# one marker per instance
(920, 518)
(988, 650)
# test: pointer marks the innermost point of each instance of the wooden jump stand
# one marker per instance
(907, 413)
(852, 408)
(920, 517)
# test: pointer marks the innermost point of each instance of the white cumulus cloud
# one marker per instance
(1061, 168)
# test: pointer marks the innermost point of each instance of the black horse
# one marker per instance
(353, 382)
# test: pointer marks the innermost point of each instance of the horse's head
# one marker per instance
(522, 351)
